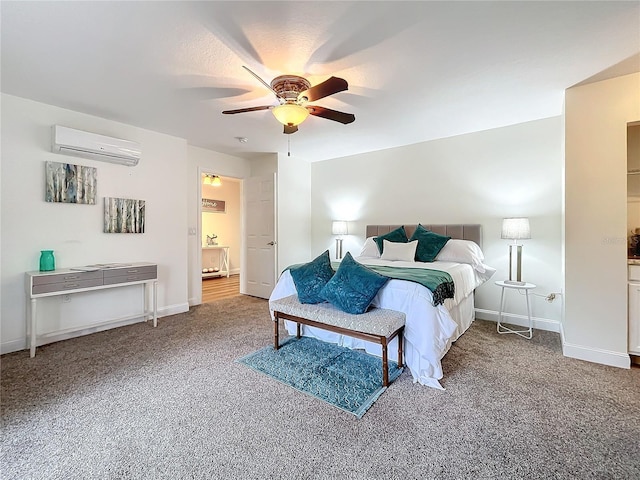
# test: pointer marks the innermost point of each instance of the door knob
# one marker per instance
(271, 243)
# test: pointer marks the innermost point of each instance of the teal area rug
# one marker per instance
(348, 379)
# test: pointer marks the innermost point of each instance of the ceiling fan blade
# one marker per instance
(263, 82)
(324, 89)
(331, 114)
(288, 129)
(250, 109)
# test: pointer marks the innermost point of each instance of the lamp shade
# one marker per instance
(339, 227)
(516, 228)
(290, 114)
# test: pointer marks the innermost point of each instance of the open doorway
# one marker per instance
(221, 231)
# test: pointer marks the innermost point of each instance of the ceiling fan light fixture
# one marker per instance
(290, 114)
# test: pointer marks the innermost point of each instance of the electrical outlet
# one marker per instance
(66, 298)
(552, 296)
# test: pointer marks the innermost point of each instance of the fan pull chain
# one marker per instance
(289, 146)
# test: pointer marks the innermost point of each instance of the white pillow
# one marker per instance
(396, 251)
(462, 251)
(370, 248)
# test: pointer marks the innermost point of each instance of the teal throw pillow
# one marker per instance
(311, 277)
(397, 235)
(353, 287)
(429, 244)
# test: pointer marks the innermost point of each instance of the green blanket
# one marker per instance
(440, 283)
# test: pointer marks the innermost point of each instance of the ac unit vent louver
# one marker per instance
(69, 141)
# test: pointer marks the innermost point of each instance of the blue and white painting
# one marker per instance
(123, 215)
(68, 183)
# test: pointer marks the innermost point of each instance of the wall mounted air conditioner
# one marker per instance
(68, 141)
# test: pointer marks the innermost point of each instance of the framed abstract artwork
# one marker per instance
(69, 183)
(123, 215)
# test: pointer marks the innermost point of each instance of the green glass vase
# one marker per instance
(47, 261)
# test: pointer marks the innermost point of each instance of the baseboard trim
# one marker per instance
(21, 344)
(580, 352)
(13, 346)
(539, 323)
(173, 309)
(596, 355)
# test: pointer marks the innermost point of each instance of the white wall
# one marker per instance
(264, 165)
(475, 178)
(201, 160)
(595, 325)
(294, 211)
(75, 232)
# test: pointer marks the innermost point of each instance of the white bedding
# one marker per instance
(429, 330)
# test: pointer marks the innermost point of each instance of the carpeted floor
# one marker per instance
(172, 403)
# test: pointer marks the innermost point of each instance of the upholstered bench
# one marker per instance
(376, 325)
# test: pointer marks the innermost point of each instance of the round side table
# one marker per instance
(528, 333)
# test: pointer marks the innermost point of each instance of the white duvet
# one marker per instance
(429, 329)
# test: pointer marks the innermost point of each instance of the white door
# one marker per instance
(260, 237)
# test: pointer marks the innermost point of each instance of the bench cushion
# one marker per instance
(376, 321)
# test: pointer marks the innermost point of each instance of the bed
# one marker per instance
(430, 329)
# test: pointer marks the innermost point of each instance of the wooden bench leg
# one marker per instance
(400, 359)
(297, 330)
(276, 340)
(385, 365)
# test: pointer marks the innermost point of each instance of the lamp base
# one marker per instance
(338, 248)
(515, 282)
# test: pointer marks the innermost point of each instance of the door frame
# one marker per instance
(211, 171)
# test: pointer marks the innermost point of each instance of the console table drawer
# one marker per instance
(68, 277)
(130, 274)
(133, 270)
(68, 285)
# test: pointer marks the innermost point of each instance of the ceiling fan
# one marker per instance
(293, 93)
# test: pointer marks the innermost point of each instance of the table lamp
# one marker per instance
(339, 227)
(515, 229)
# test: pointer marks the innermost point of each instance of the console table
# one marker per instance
(86, 279)
(223, 251)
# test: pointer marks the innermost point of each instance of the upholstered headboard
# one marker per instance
(465, 231)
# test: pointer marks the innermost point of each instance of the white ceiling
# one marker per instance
(416, 70)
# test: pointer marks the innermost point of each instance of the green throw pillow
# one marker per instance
(353, 287)
(310, 278)
(397, 235)
(429, 244)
